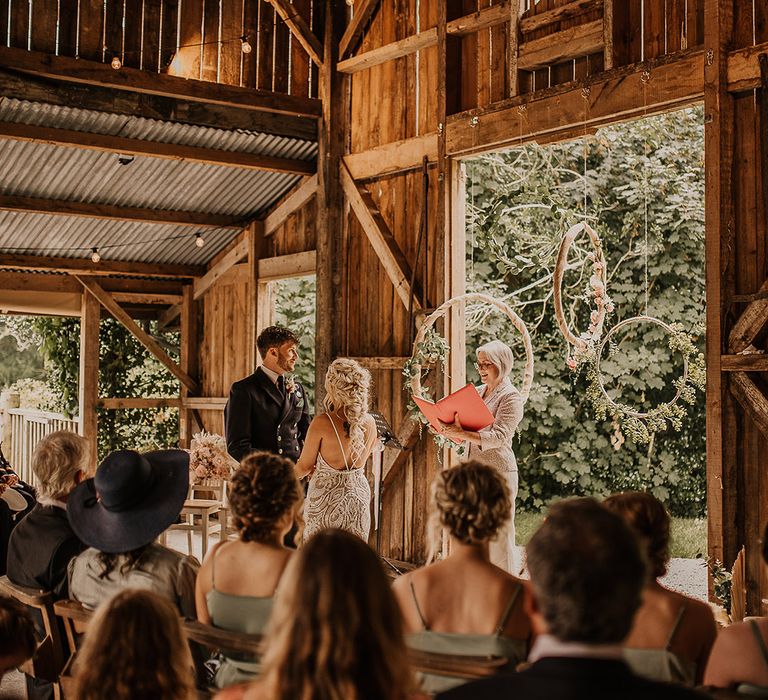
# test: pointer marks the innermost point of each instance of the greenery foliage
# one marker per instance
(519, 204)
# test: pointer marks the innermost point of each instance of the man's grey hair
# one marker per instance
(55, 462)
(500, 354)
(587, 572)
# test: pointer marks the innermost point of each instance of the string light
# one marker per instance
(245, 45)
(117, 64)
(95, 256)
(199, 241)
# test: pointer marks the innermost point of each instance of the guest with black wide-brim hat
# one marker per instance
(119, 513)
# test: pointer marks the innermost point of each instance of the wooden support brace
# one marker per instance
(106, 300)
(290, 204)
(364, 12)
(380, 237)
(392, 158)
(234, 256)
(408, 436)
(298, 26)
(751, 398)
(118, 403)
(750, 324)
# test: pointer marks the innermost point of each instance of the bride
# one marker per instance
(336, 448)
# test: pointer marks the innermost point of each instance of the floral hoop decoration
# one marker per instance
(598, 289)
(640, 426)
(430, 348)
(209, 459)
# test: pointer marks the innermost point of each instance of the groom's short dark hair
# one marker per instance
(274, 337)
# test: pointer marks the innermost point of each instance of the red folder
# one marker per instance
(473, 413)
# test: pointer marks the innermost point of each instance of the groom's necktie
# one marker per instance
(281, 385)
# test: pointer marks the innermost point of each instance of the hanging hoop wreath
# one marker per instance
(641, 425)
(429, 348)
(598, 288)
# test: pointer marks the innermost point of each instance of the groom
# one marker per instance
(265, 411)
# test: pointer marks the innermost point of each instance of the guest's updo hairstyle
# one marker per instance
(471, 501)
(347, 385)
(649, 520)
(261, 492)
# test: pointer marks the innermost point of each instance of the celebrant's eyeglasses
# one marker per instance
(483, 365)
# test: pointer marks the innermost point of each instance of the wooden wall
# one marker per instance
(203, 37)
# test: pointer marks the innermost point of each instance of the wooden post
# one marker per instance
(718, 103)
(255, 290)
(8, 400)
(89, 371)
(189, 360)
(331, 220)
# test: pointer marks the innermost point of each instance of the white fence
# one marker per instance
(22, 429)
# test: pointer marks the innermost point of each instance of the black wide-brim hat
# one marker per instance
(132, 499)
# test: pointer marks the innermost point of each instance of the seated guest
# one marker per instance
(119, 514)
(335, 631)
(464, 604)
(672, 634)
(134, 648)
(17, 635)
(587, 574)
(740, 655)
(237, 581)
(43, 543)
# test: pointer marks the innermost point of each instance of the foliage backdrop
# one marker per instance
(519, 205)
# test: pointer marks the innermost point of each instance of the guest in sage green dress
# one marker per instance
(672, 634)
(464, 604)
(238, 579)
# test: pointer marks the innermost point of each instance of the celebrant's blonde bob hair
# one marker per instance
(500, 354)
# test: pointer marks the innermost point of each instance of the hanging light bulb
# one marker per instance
(351, 3)
(95, 256)
(199, 241)
(117, 64)
(245, 44)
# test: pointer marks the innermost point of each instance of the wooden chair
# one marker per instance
(217, 490)
(203, 508)
(74, 618)
(49, 657)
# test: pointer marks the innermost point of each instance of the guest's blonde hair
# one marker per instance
(56, 460)
(472, 501)
(336, 632)
(135, 648)
(347, 385)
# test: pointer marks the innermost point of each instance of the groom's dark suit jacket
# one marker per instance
(257, 417)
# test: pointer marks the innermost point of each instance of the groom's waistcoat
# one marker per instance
(259, 417)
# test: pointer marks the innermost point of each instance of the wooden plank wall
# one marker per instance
(390, 102)
(746, 272)
(202, 36)
(295, 235)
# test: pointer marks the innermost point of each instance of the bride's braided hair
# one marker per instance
(347, 385)
(471, 501)
(261, 492)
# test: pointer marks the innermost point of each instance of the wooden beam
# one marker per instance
(13, 261)
(78, 70)
(482, 19)
(301, 32)
(115, 212)
(752, 399)
(168, 316)
(234, 256)
(205, 403)
(380, 237)
(152, 149)
(613, 96)
(756, 362)
(31, 88)
(365, 10)
(106, 300)
(408, 436)
(744, 69)
(88, 383)
(286, 266)
(188, 361)
(750, 324)
(33, 282)
(392, 158)
(120, 403)
(293, 202)
(389, 52)
(376, 363)
(558, 14)
(574, 42)
(145, 298)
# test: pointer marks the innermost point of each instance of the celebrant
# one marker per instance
(493, 445)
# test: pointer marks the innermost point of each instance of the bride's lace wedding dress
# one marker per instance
(339, 498)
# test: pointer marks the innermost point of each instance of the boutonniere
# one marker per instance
(290, 385)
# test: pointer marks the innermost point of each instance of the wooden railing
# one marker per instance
(22, 429)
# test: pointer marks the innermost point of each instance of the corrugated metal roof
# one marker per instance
(81, 175)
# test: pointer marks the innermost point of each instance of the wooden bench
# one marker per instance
(49, 657)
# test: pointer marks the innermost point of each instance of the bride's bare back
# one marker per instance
(323, 440)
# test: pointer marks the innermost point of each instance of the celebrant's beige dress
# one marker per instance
(507, 406)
